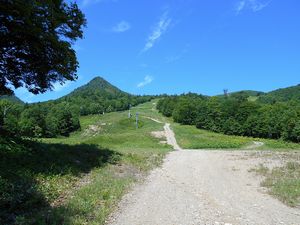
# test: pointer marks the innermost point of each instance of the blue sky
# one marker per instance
(176, 46)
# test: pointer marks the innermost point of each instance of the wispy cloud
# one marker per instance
(77, 48)
(85, 3)
(253, 5)
(159, 29)
(59, 87)
(121, 27)
(176, 57)
(147, 80)
(172, 58)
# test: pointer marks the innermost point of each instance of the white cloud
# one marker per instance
(58, 87)
(144, 65)
(253, 5)
(172, 58)
(147, 80)
(77, 47)
(121, 27)
(160, 28)
(85, 3)
(176, 57)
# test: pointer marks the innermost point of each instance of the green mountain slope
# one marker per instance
(282, 95)
(97, 86)
(245, 94)
(12, 98)
(100, 96)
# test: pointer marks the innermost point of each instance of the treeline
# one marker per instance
(235, 115)
(57, 118)
(38, 120)
(92, 102)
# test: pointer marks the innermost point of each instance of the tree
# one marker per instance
(5, 106)
(35, 43)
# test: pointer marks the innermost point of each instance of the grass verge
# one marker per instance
(190, 137)
(283, 182)
(79, 179)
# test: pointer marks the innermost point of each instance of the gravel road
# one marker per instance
(203, 187)
(195, 187)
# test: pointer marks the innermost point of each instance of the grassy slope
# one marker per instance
(77, 180)
(189, 137)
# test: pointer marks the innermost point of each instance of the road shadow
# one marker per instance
(21, 162)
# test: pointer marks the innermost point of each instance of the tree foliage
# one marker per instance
(61, 117)
(235, 115)
(35, 43)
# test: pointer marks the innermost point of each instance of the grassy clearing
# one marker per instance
(189, 137)
(77, 180)
(252, 98)
(283, 182)
(278, 145)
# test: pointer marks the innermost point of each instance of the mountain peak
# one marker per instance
(97, 86)
(101, 84)
(98, 79)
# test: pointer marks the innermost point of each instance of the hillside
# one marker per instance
(248, 94)
(100, 96)
(12, 98)
(282, 95)
(97, 85)
(61, 117)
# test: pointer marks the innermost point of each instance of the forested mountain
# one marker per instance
(245, 94)
(100, 96)
(12, 98)
(282, 95)
(99, 85)
(61, 116)
(248, 93)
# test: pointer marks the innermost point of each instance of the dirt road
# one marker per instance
(203, 187)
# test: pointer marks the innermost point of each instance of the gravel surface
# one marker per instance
(203, 187)
(195, 187)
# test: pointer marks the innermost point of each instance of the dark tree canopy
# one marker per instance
(35, 43)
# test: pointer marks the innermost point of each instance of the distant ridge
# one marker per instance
(98, 96)
(99, 84)
(12, 98)
(282, 95)
(248, 93)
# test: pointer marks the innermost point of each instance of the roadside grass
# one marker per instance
(33, 175)
(79, 179)
(278, 145)
(190, 137)
(283, 182)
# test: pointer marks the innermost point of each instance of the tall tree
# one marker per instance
(36, 40)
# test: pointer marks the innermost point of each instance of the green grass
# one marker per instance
(79, 179)
(189, 137)
(252, 98)
(283, 182)
(278, 145)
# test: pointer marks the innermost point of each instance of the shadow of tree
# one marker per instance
(22, 161)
